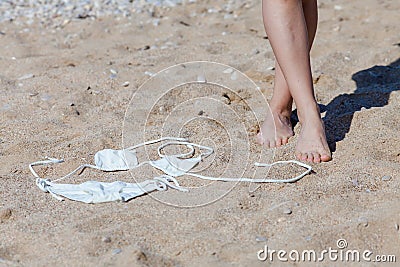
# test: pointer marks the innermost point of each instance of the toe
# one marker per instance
(310, 157)
(317, 158)
(272, 144)
(326, 158)
(259, 138)
(278, 142)
(303, 156)
(267, 144)
(285, 141)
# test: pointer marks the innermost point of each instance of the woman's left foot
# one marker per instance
(311, 144)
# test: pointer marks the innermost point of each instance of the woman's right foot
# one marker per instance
(276, 129)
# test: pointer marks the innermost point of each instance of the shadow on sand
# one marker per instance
(374, 86)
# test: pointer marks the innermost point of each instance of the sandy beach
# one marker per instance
(66, 90)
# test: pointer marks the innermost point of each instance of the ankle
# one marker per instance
(281, 110)
(309, 113)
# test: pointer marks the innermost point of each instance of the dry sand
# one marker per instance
(60, 99)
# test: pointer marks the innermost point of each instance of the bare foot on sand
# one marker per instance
(276, 130)
(312, 145)
(291, 27)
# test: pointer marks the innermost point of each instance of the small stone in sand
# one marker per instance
(363, 221)
(26, 76)
(125, 84)
(226, 99)
(113, 73)
(234, 76)
(116, 251)
(139, 255)
(337, 7)
(45, 97)
(148, 73)
(287, 211)
(201, 79)
(261, 239)
(228, 71)
(386, 178)
(396, 226)
(106, 239)
(355, 182)
(5, 214)
(281, 219)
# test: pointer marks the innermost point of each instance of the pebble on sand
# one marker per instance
(106, 239)
(337, 7)
(116, 251)
(261, 239)
(5, 214)
(386, 178)
(201, 78)
(287, 211)
(162, 109)
(363, 221)
(26, 76)
(113, 73)
(228, 71)
(148, 73)
(234, 76)
(281, 219)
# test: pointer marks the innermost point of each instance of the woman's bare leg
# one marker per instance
(277, 128)
(291, 25)
(281, 102)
